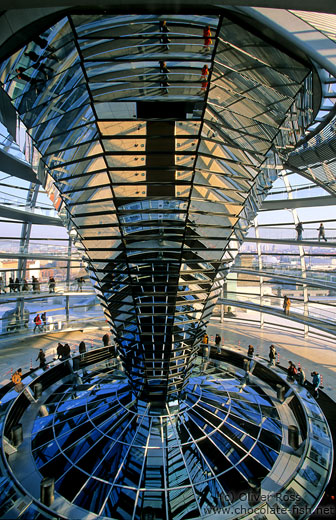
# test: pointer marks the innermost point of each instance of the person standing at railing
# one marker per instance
(106, 339)
(321, 233)
(218, 341)
(250, 351)
(299, 230)
(66, 351)
(59, 351)
(25, 286)
(35, 284)
(301, 376)
(17, 284)
(11, 285)
(52, 284)
(286, 305)
(272, 355)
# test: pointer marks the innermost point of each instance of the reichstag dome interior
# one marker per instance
(167, 260)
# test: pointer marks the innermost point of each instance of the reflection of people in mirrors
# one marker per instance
(35, 83)
(164, 86)
(207, 38)
(204, 73)
(204, 86)
(163, 67)
(164, 37)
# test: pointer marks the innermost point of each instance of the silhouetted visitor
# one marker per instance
(299, 230)
(32, 55)
(42, 358)
(52, 284)
(250, 351)
(321, 233)
(80, 282)
(286, 305)
(218, 341)
(272, 354)
(35, 284)
(43, 43)
(82, 347)
(66, 351)
(106, 339)
(11, 285)
(60, 351)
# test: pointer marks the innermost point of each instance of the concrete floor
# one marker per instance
(312, 353)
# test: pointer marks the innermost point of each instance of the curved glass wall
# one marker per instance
(276, 264)
(35, 244)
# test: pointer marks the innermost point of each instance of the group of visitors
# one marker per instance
(294, 374)
(164, 40)
(63, 351)
(320, 229)
(43, 72)
(299, 375)
(18, 285)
